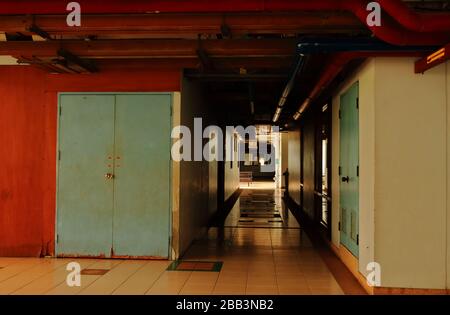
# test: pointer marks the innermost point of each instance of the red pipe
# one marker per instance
(335, 66)
(390, 31)
(414, 21)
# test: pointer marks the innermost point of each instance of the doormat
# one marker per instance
(94, 272)
(180, 265)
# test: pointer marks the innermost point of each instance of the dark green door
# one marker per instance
(114, 175)
(349, 169)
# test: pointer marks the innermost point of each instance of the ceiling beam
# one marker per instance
(10, 7)
(220, 64)
(36, 30)
(153, 48)
(78, 63)
(223, 77)
(183, 24)
(240, 97)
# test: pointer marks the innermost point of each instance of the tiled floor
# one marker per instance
(262, 258)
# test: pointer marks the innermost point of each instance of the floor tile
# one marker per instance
(141, 281)
(262, 259)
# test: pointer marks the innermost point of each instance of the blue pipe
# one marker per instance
(331, 45)
(309, 46)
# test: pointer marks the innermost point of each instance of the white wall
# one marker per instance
(410, 185)
(404, 172)
(175, 184)
(447, 65)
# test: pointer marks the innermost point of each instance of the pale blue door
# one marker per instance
(85, 195)
(349, 169)
(114, 175)
(142, 175)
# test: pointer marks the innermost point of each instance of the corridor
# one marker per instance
(264, 147)
(260, 250)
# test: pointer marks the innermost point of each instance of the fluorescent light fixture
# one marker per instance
(436, 55)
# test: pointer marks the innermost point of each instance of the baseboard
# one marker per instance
(352, 264)
(409, 291)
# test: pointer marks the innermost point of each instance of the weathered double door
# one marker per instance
(114, 175)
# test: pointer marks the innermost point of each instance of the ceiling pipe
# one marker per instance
(414, 21)
(336, 65)
(390, 31)
(330, 45)
(296, 68)
(251, 97)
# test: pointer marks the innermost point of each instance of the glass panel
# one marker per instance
(324, 167)
(325, 210)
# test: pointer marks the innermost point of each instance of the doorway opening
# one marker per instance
(252, 174)
(322, 190)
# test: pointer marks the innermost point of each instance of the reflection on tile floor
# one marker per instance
(260, 258)
(261, 208)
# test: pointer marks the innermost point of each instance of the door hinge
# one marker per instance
(357, 103)
(357, 170)
(340, 114)
(57, 238)
(60, 110)
(339, 225)
(59, 155)
(357, 239)
(340, 170)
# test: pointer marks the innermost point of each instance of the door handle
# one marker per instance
(345, 179)
(109, 176)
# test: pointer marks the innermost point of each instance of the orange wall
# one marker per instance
(28, 120)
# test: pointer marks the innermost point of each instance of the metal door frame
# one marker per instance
(350, 87)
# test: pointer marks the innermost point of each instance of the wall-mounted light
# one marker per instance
(432, 60)
(436, 55)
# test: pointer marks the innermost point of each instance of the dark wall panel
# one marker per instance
(308, 168)
(294, 165)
